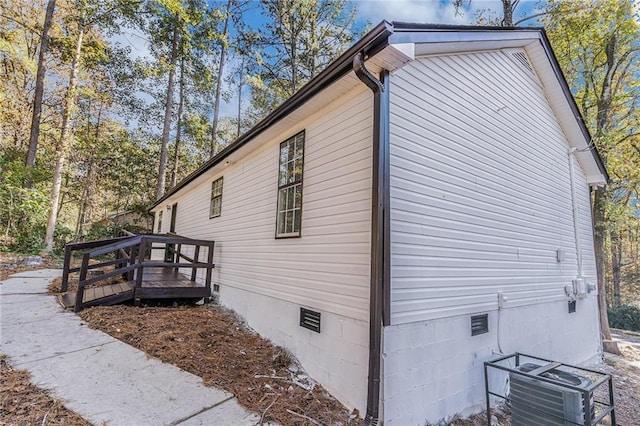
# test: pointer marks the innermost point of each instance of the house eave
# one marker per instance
(450, 38)
(370, 44)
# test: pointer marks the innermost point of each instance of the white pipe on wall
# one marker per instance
(574, 205)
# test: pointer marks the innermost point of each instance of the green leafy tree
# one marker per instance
(598, 46)
(180, 33)
(299, 39)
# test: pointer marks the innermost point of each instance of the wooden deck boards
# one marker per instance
(157, 283)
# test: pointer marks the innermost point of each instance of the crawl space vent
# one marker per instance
(310, 319)
(479, 324)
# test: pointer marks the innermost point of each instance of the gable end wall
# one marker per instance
(480, 202)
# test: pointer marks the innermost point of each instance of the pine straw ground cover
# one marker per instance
(213, 343)
(22, 403)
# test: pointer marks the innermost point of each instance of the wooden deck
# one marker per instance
(130, 259)
(157, 283)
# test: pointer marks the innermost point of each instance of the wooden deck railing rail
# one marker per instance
(69, 250)
(133, 255)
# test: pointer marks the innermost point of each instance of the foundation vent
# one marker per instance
(479, 324)
(310, 319)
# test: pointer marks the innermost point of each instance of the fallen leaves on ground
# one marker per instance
(22, 403)
(213, 343)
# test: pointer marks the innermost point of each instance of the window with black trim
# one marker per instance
(216, 198)
(160, 221)
(290, 187)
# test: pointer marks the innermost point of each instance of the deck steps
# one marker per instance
(103, 295)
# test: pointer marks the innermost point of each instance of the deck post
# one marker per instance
(140, 269)
(65, 271)
(132, 261)
(209, 266)
(196, 259)
(178, 250)
(83, 276)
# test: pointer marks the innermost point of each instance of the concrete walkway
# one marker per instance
(98, 376)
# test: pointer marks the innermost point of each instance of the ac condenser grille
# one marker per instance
(535, 403)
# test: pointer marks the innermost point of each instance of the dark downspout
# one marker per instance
(379, 231)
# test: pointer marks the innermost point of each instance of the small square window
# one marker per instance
(215, 209)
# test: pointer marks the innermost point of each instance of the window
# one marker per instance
(160, 221)
(216, 198)
(290, 187)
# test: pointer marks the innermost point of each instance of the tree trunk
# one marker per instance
(86, 200)
(616, 258)
(82, 209)
(507, 13)
(240, 84)
(216, 106)
(64, 143)
(599, 203)
(39, 89)
(168, 111)
(600, 197)
(176, 150)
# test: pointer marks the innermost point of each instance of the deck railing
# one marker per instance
(131, 255)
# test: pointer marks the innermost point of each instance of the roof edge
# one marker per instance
(374, 41)
(572, 103)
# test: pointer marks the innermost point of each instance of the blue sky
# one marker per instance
(369, 11)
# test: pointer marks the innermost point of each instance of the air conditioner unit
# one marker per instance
(535, 402)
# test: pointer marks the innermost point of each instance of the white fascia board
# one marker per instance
(460, 36)
(406, 49)
(391, 58)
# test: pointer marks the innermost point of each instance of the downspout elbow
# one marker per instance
(365, 75)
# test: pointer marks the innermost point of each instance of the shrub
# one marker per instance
(61, 236)
(625, 317)
(23, 211)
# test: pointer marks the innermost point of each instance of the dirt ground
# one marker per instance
(213, 343)
(22, 403)
(626, 377)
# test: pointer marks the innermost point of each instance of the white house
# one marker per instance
(429, 175)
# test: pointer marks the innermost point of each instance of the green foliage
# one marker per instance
(598, 46)
(23, 211)
(61, 237)
(103, 231)
(298, 40)
(625, 317)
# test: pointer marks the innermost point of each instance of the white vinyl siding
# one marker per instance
(480, 190)
(328, 268)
